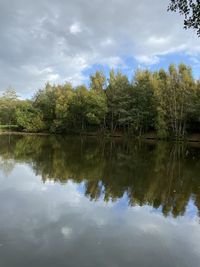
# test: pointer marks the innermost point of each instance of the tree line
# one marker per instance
(164, 102)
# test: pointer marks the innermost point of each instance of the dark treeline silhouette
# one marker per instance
(162, 175)
(163, 102)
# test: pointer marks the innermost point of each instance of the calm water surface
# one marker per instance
(96, 203)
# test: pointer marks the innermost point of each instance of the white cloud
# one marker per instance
(112, 62)
(75, 28)
(153, 40)
(66, 231)
(107, 42)
(147, 60)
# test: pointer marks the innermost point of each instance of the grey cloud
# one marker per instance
(36, 43)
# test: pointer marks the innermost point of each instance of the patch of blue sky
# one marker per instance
(130, 65)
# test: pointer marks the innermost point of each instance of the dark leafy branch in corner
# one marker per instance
(191, 11)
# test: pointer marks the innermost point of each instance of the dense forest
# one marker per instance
(163, 102)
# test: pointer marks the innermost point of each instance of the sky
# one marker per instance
(67, 40)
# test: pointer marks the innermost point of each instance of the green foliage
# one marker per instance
(45, 101)
(143, 102)
(96, 107)
(87, 108)
(9, 127)
(8, 103)
(176, 98)
(165, 102)
(119, 97)
(98, 81)
(29, 118)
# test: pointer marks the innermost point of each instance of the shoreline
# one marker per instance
(23, 133)
(194, 138)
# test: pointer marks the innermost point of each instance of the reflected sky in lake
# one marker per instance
(60, 209)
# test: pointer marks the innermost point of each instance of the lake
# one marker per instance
(89, 202)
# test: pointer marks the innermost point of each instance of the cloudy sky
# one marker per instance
(67, 40)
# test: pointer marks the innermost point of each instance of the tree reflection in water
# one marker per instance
(163, 175)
